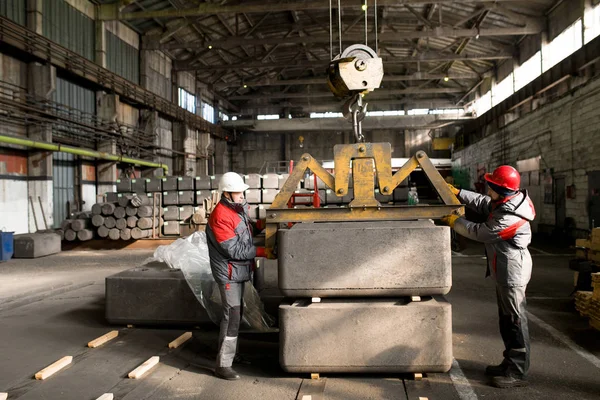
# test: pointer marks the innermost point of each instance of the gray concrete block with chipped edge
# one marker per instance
(253, 196)
(391, 258)
(270, 181)
(185, 183)
(374, 335)
(153, 294)
(185, 212)
(34, 245)
(254, 181)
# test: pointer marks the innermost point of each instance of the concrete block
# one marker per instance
(154, 185)
(124, 199)
(152, 295)
(282, 179)
(266, 274)
(323, 197)
(171, 228)
(186, 212)
(124, 185)
(253, 196)
(270, 181)
(354, 335)
(201, 195)
(303, 199)
(391, 258)
(171, 213)
(138, 185)
(112, 197)
(170, 198)
(331, 198)
(202, 183)
(186, 197)
(309, 183)
(268, 195)
(253, 180)
(34, 245)
(169, 184)
(185, 183)
(253, 211)
(214, 181)
(262, 210)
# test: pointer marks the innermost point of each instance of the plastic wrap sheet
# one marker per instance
(190, 255)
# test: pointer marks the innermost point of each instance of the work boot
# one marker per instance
(226, 373)
(508, 381)
(496, 370)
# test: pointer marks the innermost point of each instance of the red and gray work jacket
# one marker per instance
(230, 246)
(506, 234)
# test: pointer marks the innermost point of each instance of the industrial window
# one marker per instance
(418, 111)
(326, 115)
(528, 71)
(187, 100)
(562, 46)
(591, 24)
(208, 112)
(223, 116)
(483, 104)
(268, 116)
(502, 90)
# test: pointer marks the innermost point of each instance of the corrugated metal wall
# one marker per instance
(14, 10)
(81, 105)
(63, 184)
(122, 58)
(68, 26)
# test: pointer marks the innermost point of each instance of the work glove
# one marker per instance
(454, 190)
(265, 252)
(450, 220)
(261, 224)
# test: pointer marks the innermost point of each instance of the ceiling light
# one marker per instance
(446, 79)
(210, 46)
(245, 86)
(364, 7)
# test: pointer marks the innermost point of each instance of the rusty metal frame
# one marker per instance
(368, 160)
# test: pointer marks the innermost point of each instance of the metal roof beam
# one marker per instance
(425, 57)
(375, 94)
(114, 11)
(322, 81)
(440, 32)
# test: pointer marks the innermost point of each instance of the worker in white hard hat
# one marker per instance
(229, 234)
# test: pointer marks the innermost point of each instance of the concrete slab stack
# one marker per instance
(380, 284)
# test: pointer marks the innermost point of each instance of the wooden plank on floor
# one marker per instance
(180, 340)
(145, 367)
(53, 368)
(106, 396)
(3, 396)
(103, 339)
(312, 389)
(432, 386)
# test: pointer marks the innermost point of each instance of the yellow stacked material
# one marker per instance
(585, 243)
(582, 302)
(582, 247)
(595, 239)
(594, 313)
(596, 285)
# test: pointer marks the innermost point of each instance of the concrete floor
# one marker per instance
(51, 307)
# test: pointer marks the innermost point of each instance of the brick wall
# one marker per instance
(564, 133)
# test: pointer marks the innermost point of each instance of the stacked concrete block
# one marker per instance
(185, 183)
(169, 184)
(270, 181)
(254, 181)
(138, 185)
(170, 198)
(254, 196)
(200, 195)
(186, 197)
(112, 197)
(124, 185)
(214, 181)
(186, 212)
(171, 228)
(153, 185)
(303, 199)
(202, 183)
(268, 195)
(171, 213)
(262, 210)
(367, 279)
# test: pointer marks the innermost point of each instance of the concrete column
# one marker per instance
(42, 83)
(34, 15)
(150, 122)
(222, 157)
(186, 140)
(100, 45)
(107, 108)
(205, 154)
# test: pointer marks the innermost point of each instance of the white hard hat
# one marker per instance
(232, 182)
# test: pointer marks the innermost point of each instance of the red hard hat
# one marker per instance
(506, 177)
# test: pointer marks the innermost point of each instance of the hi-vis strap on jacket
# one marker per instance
(506, 234)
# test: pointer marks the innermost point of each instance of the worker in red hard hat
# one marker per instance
(506, 235)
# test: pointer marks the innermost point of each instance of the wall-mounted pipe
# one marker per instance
(80, 152)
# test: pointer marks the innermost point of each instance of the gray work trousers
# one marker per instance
(514, 328)
(232, 295)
